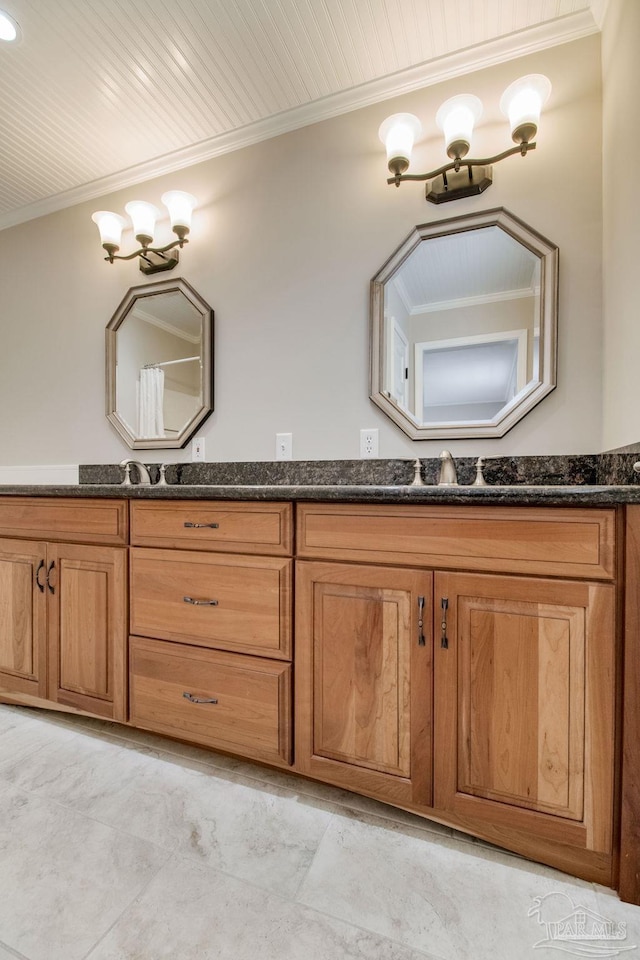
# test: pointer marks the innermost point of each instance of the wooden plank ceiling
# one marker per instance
(99, 93)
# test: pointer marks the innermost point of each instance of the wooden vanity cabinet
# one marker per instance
(518, 673)
(211, 639)
(363, 678)
(63, 605)
(23, 617)
(525, 712)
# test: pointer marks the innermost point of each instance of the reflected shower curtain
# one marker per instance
(151, 401)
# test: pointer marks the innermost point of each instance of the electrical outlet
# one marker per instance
(284, 446)
(197, 448)
(369, 443)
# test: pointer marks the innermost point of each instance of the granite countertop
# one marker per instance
(556, 495)
(592, 479)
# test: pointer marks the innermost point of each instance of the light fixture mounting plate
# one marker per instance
(467, 182)
(151, 262)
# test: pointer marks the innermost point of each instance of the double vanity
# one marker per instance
(469, 654)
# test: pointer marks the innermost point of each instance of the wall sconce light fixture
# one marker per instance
(521, 102)
(143, 217)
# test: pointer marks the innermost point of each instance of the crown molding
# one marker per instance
(520, 44)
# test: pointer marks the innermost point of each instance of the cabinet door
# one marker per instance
(86, 588)
(23, 661)
(524, 706)
(363, 678)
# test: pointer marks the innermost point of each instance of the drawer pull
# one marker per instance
(190, 697)
(201, 603)
(199, 526)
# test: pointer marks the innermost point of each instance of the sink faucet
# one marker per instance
(448, 476)
(144, 477)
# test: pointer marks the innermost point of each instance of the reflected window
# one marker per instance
(464, 326)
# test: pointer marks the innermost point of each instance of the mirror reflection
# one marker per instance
(463, 327)
(158, 365)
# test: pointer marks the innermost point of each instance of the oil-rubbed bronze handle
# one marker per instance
(444, 640)
(40, 585)
(199, 526)
(50, 570)
(200, 603)
(421, 640)
(190, 697)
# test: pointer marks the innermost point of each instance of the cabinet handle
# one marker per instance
(421, 640)
(40, 585)
(201, 603)
(444, 640)
(199, 526)
(50, 570)
(190, 697)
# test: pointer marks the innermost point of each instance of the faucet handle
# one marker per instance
(417, 475)
(127, 476)
(162, 482)
(479, 480)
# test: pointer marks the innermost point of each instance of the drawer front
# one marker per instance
(172, 686)
(214, 525)
(552, 542)
(225, 602)
(65, 518)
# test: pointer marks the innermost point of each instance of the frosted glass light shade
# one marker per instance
(399, 133)
(9, 30)
(110, 226)
(143, 217)
(457, 118)
(180, 206)
(522, 103)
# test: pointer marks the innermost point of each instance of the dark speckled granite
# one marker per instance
(592, 479)
(585, 470)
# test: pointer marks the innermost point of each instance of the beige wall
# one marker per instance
(286, 238)
(621, 250)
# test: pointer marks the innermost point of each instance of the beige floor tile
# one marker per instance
(21, 738)
(250, 829)
(251, 771)
(190, 912)
(65, 879)
(625, 923)
(438, 895)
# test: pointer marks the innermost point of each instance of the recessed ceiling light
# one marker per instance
(9, 29)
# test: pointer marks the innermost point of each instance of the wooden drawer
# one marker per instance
(214, 525)
(78, 520)
(252, 715)
(252, 612)
(554, 542)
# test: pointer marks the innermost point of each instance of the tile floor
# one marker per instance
(120, 845)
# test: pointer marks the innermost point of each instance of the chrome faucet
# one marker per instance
(448, 476)
(144, 477)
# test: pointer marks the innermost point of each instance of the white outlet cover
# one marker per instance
(284, 446)
(369, 443)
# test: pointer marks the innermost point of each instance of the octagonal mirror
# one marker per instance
(464, 327)
(159, 370)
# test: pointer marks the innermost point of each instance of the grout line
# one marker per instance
(294, 897)
(138, 896)
(13, 951)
